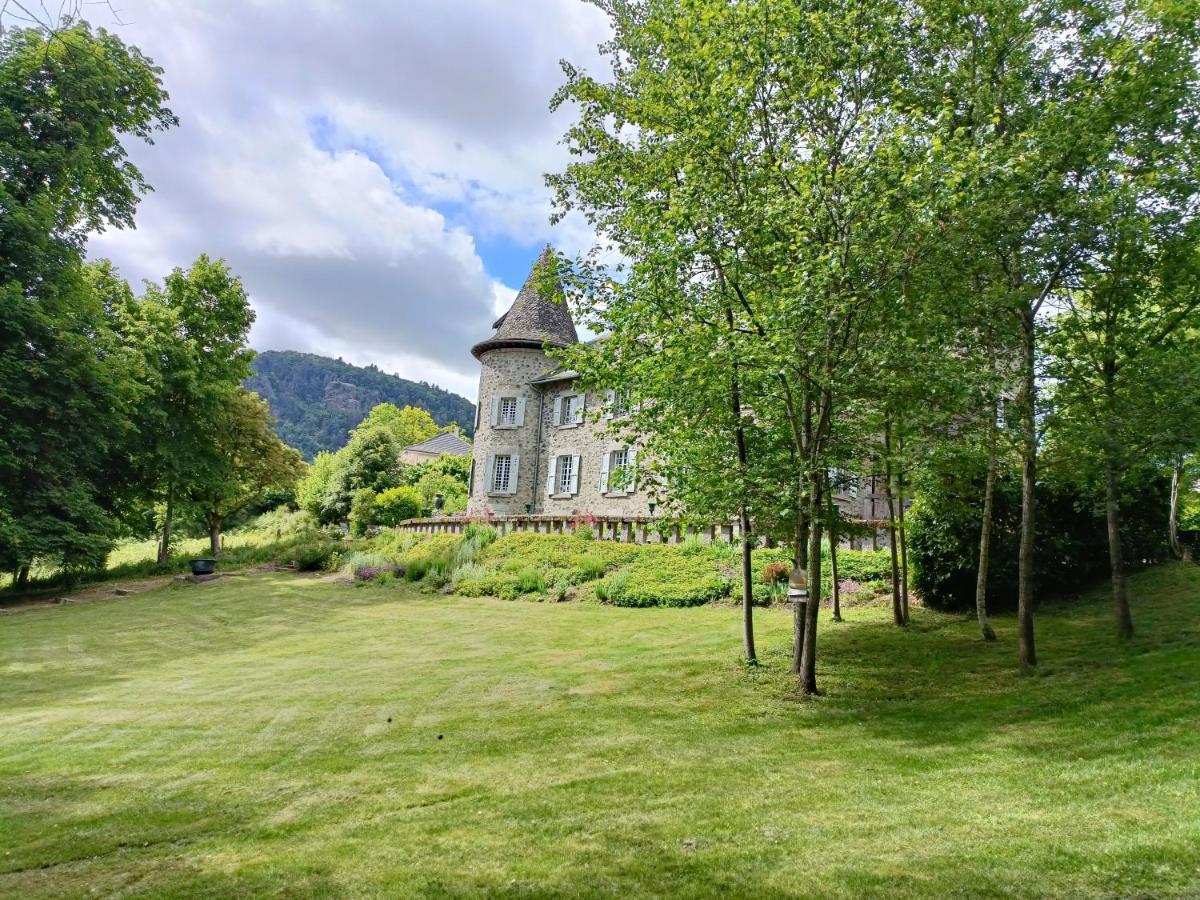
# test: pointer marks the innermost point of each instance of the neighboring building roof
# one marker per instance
(534, 319)
(559, 375)
(446, 442)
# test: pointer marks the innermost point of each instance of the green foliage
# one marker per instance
(371, 459)
(584, 533)
(248, 460)
(588, 568)
(313, 552)
(485, 533)
(452, 489)
(434, 554)
(665, 576)
(71, 378)
(313, 488)
(407, 426)
(943, 537)
(397, 504)
(860, 565)
(362, 512)
(317, 401)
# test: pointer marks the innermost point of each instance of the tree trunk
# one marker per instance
(808, 656)
(22, 579)
(735, 403)
(833, 568)
(799, 563)
(164, 548)
(747, 591)
(1026, 648)
(985, 534)
(897, 607)
(1112, 504)
(214, 534)
(903, 547)
(1173, 520)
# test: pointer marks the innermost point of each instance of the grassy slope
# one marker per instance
(234, 738)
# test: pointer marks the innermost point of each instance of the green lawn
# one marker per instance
(278, 735)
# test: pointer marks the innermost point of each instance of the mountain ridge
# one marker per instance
(316, 399)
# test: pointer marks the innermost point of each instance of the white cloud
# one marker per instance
(356, 235)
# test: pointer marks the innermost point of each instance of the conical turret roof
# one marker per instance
(537, 317)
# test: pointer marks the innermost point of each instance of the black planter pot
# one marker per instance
(203, 566)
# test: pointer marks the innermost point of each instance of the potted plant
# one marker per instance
(203, 566)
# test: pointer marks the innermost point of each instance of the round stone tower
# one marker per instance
(507, 453)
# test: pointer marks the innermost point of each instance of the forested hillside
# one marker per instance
(317, 400)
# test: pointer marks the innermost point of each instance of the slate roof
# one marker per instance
(446, 442)
(534, 319)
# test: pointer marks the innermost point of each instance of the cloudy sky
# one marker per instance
(372, 169)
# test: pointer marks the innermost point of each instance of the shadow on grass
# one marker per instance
(937, 683)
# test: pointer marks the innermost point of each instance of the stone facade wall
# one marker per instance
(507, 373)
(510, 373)
(590, 441)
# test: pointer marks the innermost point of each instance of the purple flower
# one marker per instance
(849, 586)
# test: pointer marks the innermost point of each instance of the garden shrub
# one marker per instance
(612, 587)
(358, 563)
(396, 504)
(943, 536)
(666, 576)
(393, 544)
(585, 533)
(587, 568)
(362, 512)
(481, 531)
(312, 552)
(861, 565)
(434, 554)
(552, 552)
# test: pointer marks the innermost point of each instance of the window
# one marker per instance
(508, 411)
(501, 470)
(566, 470)
(619, 404)
(617, 471)
(570, 410)
(562, 477)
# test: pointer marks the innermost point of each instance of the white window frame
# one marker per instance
(508, 411)
(566, 471)
(569, 409)
(608, 466)
(499, 405)
(618, 405)
(514, 467)
(554, 479)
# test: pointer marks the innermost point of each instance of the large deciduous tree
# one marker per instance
(758, 158)
(247, 458)
(67, 387)
(197, 324)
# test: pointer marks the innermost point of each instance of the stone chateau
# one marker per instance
(540, 449)
(538, 446)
